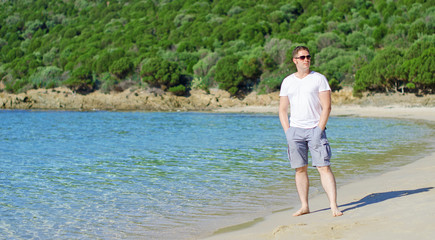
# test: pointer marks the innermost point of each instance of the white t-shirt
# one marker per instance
(303, 94)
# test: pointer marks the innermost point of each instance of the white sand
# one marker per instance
(399, 204)
(422, 113)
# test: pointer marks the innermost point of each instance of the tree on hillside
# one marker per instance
(420, 71)
(81, 80)
(381, 74)
(228, 74)
(120, 68)
(158, 72)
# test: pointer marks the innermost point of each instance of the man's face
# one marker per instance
(305, 63)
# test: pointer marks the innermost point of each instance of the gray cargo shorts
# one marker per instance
(300, 140)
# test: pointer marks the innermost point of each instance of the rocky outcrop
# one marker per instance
(198, 100)
(143, 100)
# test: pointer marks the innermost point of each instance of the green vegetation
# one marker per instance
(236, 45)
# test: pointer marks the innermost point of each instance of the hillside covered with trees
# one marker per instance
(236, 45)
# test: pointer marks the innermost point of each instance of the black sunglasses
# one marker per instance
(303, 57)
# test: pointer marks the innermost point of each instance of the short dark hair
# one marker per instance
(299, 48)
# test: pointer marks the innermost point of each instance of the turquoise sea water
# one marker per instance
(136, 175)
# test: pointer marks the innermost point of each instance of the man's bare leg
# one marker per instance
(302, 185)
(328, 183)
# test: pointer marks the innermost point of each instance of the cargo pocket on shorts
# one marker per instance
(325, 149)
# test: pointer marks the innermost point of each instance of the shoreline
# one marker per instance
(395, 204)
(215, 100)
(391, 111)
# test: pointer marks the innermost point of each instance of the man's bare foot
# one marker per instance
(301, 211)
(336, 212)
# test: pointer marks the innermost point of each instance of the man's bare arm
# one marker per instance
(325, 102)
(283, 112)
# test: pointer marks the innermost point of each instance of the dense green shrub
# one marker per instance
(335, 85)
(276, 50)
(336, 64)
(46, 77)
(20, 85)
(270, 84)
(161, 73)
(70, 33)
(420, 71)
(24, 66)
(178, 90)
(192, 36)
(228, 74)
(329, 39)
(379, 33)
(107, 82)
(13, 54)
(81, 80)
(250, 67)
(382, 73)
(120, 68)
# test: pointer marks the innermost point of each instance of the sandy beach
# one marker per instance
(398, 111)
(398, 204)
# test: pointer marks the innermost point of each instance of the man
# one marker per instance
(309, 96)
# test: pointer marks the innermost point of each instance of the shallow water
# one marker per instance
(136, 175)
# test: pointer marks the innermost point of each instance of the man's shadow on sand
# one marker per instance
(379, 197)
